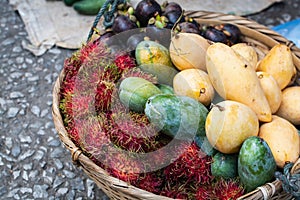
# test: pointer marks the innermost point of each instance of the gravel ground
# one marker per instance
(33, 162)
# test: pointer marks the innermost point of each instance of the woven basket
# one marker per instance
(260, 36)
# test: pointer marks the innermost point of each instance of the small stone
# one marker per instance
(25, 138)
(16, 174)
(40, 191)
(25, 175)
(38, 155)
(43, 164)
(41, 132)
(28, 60)
(35, 110)
(58, 181)
(24, 190)
(13, 192)
(44, 112)
(17, 49)
(27, 166)
(8, 41)
(20, 60)
(15, 95)
(12, 112)
(69, 174)
(16, 150)
(71, 194)
(90, 188)
(54, 143)
(33, 174)
(58, 164)
(26, 155)
(57, 153)
(1, 162)
(3, 190)
(33, 78)
(78, 184)
(8, 142)
(62, 191)
(16, 75)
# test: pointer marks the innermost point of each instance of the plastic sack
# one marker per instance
(290, 30)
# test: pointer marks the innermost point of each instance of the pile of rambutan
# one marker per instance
(118, 139)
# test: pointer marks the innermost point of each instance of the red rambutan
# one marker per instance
(150, 182)
(192, 166)
(133, 132)
(175, 191)
(125, 166)
(227, 189)
(124, 62)
(204, 193)
(93, 138)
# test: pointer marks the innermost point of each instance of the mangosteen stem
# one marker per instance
(173, 33)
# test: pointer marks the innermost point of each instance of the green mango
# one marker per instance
(177, 116)
(150, 52)
(88, 7)
(134, 92)
(164, 73)
(224, 165)
(203, 143)
(165, 89)
(256, 164)
(70, 2)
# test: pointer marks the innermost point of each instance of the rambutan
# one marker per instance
(174, 191)
(193, 166)
(227, 189)
(103, 96)
(93, 138)
(150, 182)
(125, 166)
(204, 193)
(124, 62)
(133, 132)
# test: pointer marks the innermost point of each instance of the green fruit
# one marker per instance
(134, 92)
(256, 164)
(149, 52)
(164, 73)
(177, 116)
(70, 2)
(224, 165)
(204, 145)
(165, 89)
(88, 7)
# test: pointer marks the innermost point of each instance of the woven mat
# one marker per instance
(50, 23)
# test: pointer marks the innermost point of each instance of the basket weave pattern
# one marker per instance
(259, 36)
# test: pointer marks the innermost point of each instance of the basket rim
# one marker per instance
(248, 27)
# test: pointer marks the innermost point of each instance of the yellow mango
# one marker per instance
(279, 63)
(187, 51)
(271, 90)
(290, 105)
(229, 124)
(282, 138)
(248, 52)
(194, 83)
(234, 79)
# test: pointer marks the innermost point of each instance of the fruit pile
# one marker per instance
(181, 109)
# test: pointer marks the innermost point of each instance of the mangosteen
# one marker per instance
(123, 23)
(213, 34)
(188, 27)
(145, 10)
